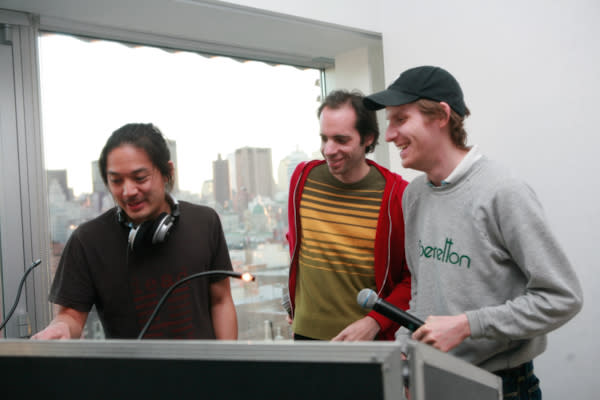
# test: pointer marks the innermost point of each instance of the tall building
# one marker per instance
(254, 171)
(60, 177)
(172, 145)
(101, 198)
(98, 185)
(222, 190)
(286, 168)
(207, 192)
(232, 177)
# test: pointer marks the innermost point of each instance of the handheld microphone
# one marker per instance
(245, 276)
(367, 298)
(12, 310)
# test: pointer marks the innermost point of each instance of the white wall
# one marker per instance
(529, 70)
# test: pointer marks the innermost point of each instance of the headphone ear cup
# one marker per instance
(141, 236)
(161, 227)
(150, 232)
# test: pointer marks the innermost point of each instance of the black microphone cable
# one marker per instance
(12, 310)
(239, 275)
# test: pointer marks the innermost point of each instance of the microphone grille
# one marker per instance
(366, 298)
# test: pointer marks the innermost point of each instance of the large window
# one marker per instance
(236, 130)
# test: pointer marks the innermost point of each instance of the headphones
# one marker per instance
(152, 231)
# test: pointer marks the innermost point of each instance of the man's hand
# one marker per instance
(56, 330)
(444, 332)
(68, 324)
(364, 329)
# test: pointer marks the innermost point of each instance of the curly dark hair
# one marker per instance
(366, 120)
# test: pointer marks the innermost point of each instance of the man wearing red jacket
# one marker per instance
(346, 230)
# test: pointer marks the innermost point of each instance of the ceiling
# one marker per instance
(201, 25)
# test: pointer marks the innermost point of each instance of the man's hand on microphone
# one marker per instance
(444, 332)
(364, 329)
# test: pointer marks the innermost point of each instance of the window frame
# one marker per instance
(23, 210)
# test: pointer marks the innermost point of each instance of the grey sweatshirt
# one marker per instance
(482, 246)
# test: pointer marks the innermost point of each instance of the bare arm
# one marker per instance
(68, 324)
(364, 329)
(224, 318)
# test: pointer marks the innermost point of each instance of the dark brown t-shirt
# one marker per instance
(97, 268)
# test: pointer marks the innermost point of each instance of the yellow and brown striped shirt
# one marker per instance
(338, 224)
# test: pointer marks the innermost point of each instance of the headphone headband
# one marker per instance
(174, 205)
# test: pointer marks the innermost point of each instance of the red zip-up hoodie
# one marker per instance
(392, 277)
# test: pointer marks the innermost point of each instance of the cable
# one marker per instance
(243, 276)
(12, 310)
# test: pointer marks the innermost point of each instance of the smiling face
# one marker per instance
(341, 144)
(136, 184)
(416, 135)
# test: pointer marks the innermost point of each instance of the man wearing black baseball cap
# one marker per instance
(433, 83)
(488, 275)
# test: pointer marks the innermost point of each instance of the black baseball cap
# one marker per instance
(426, 82)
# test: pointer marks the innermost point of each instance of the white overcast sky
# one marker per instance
(209, 105)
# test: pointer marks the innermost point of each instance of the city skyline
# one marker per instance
(287, 164)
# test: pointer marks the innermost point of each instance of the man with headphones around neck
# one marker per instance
(125, 259)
